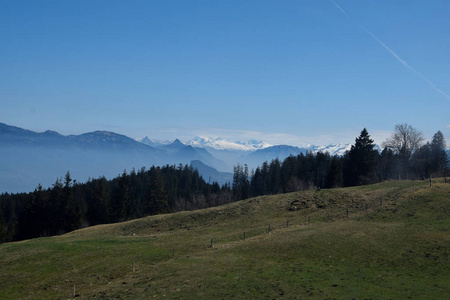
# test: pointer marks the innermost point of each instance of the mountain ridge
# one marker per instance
(30, 157)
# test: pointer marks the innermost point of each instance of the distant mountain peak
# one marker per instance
(219, 143)
(103, 132)
(176, 145)
(177, 142)
(51, 132)
(153, 143)
(333, 149)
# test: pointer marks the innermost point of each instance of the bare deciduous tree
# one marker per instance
(405, 140)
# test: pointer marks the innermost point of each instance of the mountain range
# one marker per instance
(29, 158)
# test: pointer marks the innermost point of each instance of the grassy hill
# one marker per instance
(394, 244)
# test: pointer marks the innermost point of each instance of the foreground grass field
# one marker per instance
(383, 241)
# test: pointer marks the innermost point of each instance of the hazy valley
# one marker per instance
(31, 158)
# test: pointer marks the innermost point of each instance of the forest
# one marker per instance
(69, 205)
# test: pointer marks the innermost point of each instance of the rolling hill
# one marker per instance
(384, 241)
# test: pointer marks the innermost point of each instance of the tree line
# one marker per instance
(404, 156)
(69, 205)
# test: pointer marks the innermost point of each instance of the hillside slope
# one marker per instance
(393, 244)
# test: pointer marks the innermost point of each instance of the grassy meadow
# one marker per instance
(384, 241)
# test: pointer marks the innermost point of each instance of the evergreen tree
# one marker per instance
(241, 183)
(439, 160)
(37, 218)
(57, 207)
(361, 161)
(386, 164)
(321, 168)
(155, 200)
(421, 162)
(71, 208)
(4, 237)
(334, 176)
(121, 198)
(99, 209)
(275, 177)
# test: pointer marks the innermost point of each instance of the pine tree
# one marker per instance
(241, 183)
(386, 164)
(71, 208)
(421, 162)
(37, 217)
(334, 177)
(3, 230)
(361, 161)
(121, 198)
(99, 210)
(155, 200)
(439, 160)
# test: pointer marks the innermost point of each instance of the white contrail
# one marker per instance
(395, 55)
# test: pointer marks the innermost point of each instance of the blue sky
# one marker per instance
(287, 72)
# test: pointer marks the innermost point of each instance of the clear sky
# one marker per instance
(287, 72)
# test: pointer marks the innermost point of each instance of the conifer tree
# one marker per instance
(155, 198)
(3, 230)
(121, 198)
(439, 160)
(99, 209)
(361, 161)
(334, 177)
(71, 208)
(386, 165)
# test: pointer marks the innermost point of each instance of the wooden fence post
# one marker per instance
(74, 291)
(269, 229)
(347, 212)
(309, 220)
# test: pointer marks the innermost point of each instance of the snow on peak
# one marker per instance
(223, 144)
(333, 149)
(154, 143)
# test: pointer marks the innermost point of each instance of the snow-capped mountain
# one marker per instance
(333, 149)
(223, 144)
(154, 143)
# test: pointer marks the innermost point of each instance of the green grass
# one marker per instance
(397, 250)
